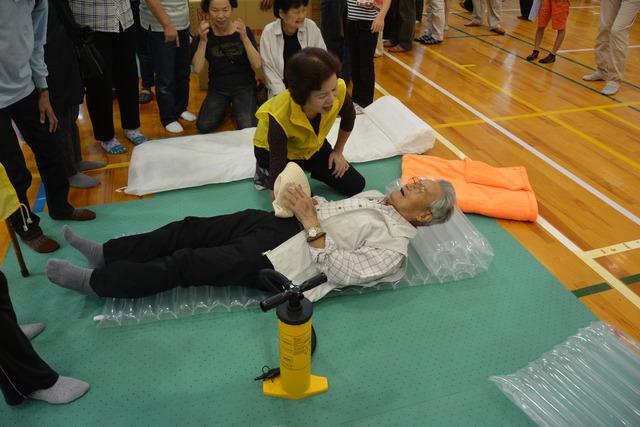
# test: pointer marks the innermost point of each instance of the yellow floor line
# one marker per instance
(613, 249)
(621, 120)
(599, 108)
(110, 166)
(570, 128)
(609, 278)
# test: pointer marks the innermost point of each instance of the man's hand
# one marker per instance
(338, 163)
(171, 35)
(378, 24)
(240, 27)
(203, 30)
(44, 106)
(266, 4)
(301, 205)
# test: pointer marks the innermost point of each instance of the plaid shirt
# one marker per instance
(365, 264)
(108, 16)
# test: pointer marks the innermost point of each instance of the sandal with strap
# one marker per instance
(113, 147)
(431, 41)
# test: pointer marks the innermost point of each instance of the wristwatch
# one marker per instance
(314, 233)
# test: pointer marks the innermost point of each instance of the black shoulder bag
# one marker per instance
(89, 58)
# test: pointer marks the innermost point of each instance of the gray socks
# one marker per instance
(80, 180)
(90, 249)
(85, 165)
(67, 275)
(65, 390)
(32, 330)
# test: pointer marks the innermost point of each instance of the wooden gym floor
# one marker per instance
(581, 149)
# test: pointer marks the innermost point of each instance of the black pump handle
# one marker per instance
(270, 277)
(311, 283)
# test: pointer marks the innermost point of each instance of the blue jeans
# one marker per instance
(172, 67)
(242, 100)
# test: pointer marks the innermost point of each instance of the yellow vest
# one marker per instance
(302, 141)
(8, 198)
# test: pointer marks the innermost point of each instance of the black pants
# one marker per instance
(142, 48)
(47, 150)
(333, 22)
(69, 136)
(21, 370)
(121, 72)
(362, 45)
(525, 8)
(224, 250)
(402, 23)
(350, 184)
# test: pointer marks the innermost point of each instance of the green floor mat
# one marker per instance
(414, 356)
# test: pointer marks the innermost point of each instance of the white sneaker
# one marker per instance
(188, 116)
(174, 127)
(593, 77)
(611, 88)
(358, 108)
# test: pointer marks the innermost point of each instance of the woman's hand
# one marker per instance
(301, 205)
(240, 27)
(338, 163)
(378, 24)
(203, 30)
(46, 111)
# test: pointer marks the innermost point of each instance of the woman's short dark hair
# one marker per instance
(205, 5)
(307, 70)
(285, 5)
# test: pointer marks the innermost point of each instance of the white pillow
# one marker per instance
(292, 174)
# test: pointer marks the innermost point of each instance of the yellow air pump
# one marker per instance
(295, 334)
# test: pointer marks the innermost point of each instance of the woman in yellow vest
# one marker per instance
(293, 125)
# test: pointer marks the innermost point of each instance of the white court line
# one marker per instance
(613, 281)
(590, 49)
(522, 143)
(570, 7)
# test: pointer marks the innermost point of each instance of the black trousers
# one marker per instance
(402, 22)
(21, 370)
(121, 72)
(69, 135)
(525, 8)
(362, 45)
(47, 150)
(350, 184)
(224, 250)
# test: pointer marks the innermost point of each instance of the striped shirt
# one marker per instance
(365, 264)
(356, 12)
(108, 16)
(176, 10)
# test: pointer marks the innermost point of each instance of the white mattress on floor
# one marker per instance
(386, 129)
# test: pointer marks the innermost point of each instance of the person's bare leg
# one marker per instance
(536, 44)
(559, 40)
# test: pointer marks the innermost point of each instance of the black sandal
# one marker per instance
(548, 59)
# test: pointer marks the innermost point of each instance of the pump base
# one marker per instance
(274, 388)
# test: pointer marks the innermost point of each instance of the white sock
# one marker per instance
(174, 127)
(65, 390)
(188, 116)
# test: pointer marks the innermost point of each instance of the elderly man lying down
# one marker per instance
(353, 241)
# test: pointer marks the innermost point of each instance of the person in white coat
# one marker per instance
(284, 37)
